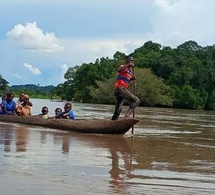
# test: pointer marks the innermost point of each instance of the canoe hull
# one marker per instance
(96, 126)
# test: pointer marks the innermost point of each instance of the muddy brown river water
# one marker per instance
(172, 151)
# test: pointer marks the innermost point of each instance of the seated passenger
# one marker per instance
(21, 99)
(44, 113)
(58, 111)
(24, 109)
(8, 105)
(68, 113)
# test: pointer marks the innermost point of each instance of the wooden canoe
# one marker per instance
(96, 126)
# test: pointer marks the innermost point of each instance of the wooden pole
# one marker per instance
(131, 154)
(135, 93)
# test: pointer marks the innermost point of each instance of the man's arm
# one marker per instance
(124, 66)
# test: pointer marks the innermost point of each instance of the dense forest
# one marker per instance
(181, 77)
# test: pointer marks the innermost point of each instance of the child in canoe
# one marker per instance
(68, 112)
(58, 112)
(21, 99)
(24, 109)
(44, 113)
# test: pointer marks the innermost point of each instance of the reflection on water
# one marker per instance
(65, 144)
(171, 152)
(6, 137)
(21, 138)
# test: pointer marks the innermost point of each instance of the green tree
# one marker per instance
(70, 74)
(81, 79)
(187, 97)
(3, 85)
(151, 90)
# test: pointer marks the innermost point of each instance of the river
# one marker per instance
(172, 151)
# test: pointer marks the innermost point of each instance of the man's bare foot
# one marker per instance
(127, 117)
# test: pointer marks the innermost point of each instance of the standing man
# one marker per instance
(121, 91)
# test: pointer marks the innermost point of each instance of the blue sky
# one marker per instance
(40, 40)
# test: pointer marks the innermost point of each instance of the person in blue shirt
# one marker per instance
(8, 105)
(68, 112)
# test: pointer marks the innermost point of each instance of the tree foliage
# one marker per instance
(3, 85)
(151, 90)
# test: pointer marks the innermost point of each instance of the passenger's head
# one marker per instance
(21, 96)
(45, 110)
(67, 107)
(58, 111)
(9, 97)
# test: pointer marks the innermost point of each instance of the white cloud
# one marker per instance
(32, 69)
(31, 37)
(88, 50)
(176, 21)
(166, 3)
(17, 76)
(64, 68)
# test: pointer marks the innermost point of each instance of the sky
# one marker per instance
(40, 40)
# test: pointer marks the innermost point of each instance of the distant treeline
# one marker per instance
(34, 91)
(33, 87)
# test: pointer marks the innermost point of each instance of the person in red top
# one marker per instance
(121, 91)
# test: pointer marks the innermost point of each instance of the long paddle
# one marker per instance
(135, 93)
